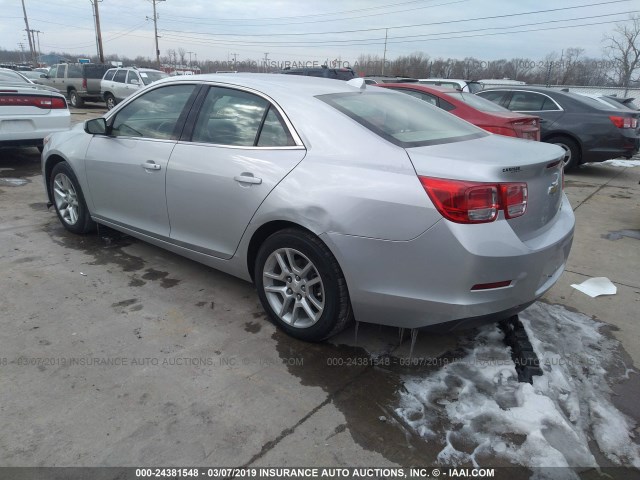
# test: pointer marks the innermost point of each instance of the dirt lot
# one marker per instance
(114, 352)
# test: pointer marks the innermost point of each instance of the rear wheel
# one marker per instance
(69, 201)
(572, 153)
(74, 99)
(110, 100)
(301, 285)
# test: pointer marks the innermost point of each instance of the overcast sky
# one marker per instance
(316, 30)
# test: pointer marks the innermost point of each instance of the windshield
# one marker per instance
(150, 77)
(477, 102)
(402, 119)
(11, 76)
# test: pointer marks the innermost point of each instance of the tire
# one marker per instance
(301, 317)
(68, 200)
(573, 154)
(74, 99)
(110, 100)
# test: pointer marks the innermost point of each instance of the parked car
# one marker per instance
(118, 83)
(34, 75)
(337, 199)
(472, 108)
(324, 72)
(380, 79)
(29, 112)
(80, 82)
(611, 102)
(456, 83)
(587, 130)
(12, 77)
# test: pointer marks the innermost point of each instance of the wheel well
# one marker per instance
(70, 89)
(260, 235)
(562, 134)
(52, 161)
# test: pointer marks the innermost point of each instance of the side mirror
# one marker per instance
(96, 126)
(134, 82)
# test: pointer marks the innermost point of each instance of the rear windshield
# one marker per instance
(149, 77)
(11, 76)
(344, 74)
(402, 119)
(477, 102)
(589, 101)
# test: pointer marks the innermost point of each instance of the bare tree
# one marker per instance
(182, 53)
(622, 47)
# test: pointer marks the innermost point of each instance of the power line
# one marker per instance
(349, 42)
(492, 17)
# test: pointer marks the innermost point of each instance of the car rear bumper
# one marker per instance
(428, 280)
(626, 144)
(30, 130)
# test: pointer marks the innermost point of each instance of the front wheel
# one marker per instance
(69, 201)
(301, 285)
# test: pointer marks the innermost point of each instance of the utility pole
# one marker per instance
(235, 56)
(384, 55)
(155, 29)
(26, 22)
(38, 32)
(189, 58)
(266, 60)
(96, 16)
(21, 45)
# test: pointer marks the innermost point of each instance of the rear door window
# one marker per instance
(62, 70)
(74, 71)
(526, 102)
(496, 96)
(230, 117)
(120, 76)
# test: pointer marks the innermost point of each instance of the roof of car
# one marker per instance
(421, 86)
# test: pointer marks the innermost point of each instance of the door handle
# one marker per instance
(150, 165)
(248, 179)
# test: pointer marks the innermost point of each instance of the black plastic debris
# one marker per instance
(526, 360)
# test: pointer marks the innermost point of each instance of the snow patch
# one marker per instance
(478, 409)
(622, 163)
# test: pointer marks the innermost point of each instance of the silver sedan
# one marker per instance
(338, 200)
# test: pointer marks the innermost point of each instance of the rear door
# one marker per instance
(126, 171)
(119, 85)
(539, 104)
(238, 150)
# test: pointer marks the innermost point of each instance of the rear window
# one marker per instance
(344, 74)
(477, 102)
(401, 119)
(11, 76)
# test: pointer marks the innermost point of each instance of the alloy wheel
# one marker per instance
(293, 287)
(66, 199)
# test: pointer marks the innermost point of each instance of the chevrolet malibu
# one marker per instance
(338, 201)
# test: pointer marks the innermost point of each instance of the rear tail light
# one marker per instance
(84, 83)
(527, 129)
(473, 202)
(624, 122)
(508, 132)
(38, 101)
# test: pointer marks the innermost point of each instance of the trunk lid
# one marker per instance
(497, 159)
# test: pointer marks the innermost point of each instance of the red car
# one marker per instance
(474, 109)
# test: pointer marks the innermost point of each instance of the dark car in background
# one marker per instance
(479, 111)
(380, 79)
(322, 72)
(586, 129)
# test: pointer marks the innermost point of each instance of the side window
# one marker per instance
(421, 95)
(316, 73)
(109, 75)
(273, 132)
(74, 71)
(443, 104)
(120, 76)
(526, 102)
(133, 78)
(62, 70)
(53, 72)
(229, 117)
(494, 96)
(549, 104)
(153, 115)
